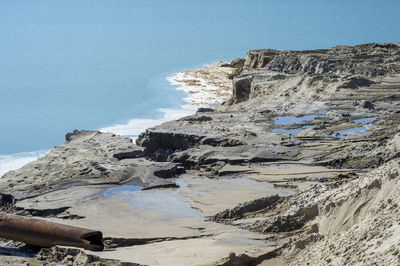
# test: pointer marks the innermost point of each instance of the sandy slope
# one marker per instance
(299, 166)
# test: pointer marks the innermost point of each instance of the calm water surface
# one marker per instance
(89, 64)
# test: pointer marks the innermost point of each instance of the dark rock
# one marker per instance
(223, 142)
(205, 110)
(71, 256)
(216, 166)
(238, 62)
(170, 185)
(238, 65)
(241, 89)
(99, 167)
(259, 58)
(247, 207)
(196, 118)
(355, 82)
(152, 141)
(161, 154)
(77, 134)
(134, 153)
(271, 156)
(7, 202)
(265, 112)
(169, 171)
(367, 105)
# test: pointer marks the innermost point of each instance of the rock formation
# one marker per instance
(318, 126)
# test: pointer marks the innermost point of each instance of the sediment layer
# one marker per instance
(299, 166)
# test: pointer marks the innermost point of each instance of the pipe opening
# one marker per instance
(95, 241)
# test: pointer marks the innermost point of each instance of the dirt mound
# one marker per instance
(358, 222)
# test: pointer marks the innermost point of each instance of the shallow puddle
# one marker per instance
(114, 190)
(307, 160)
(289, 131)
(366, 120)
(179, 203)
(288, 120)
(356, 131)
(278, 166)
(165, 200)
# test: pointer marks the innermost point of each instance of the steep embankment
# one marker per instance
(358, 222)
(349, 218)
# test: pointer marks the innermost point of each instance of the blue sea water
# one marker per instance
(90, 64)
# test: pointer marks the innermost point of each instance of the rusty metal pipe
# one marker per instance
(47, 234)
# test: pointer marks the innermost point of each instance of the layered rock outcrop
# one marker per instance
(319, 126)
(86, 158)
(343, 66)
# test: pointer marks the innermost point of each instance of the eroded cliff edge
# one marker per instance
(322, 123)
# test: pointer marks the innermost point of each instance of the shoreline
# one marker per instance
(201, 90)
(205, 94)
(275, 173)
(206, 86)
(9, 162)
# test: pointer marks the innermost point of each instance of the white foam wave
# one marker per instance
(200, 93)
(197, 96)
(15, 161)
(136, 126)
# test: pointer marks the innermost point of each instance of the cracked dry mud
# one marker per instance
(299, 166)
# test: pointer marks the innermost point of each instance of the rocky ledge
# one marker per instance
(304, 158)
